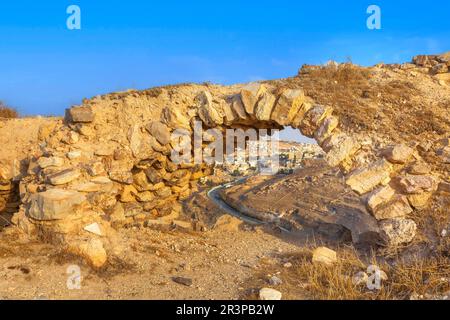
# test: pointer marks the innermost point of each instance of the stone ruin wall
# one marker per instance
(109, 164)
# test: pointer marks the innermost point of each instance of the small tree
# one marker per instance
(7, 112)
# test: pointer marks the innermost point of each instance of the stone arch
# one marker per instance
(109, 163)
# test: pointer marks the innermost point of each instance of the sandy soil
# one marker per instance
(219, 263)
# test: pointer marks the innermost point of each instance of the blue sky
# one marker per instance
(45, 68)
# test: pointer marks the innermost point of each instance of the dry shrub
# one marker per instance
(7, 112)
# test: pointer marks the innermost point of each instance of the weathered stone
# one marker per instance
(301, 112)
(287, 106)
(238, 107)
(398, 231)
(411, 184)
(120, 171)
(264, 106)
(93, 228)
(324, 255)
(128, 194)
(379, 196)
(164, 192)
(228, 223)
(444, 187)
(79, 115)
(326, 128)
(340, 148)
(419, 168)
(155, 176)
(313, 119)
(361, 278)
(6, 173)
(145, 196)
(420, 201)
(54, 204)
(91, 250)
(366, 179)
(175, 118)
(71, 138)
(269, 294)
(423, 60)
(439, 68)
(64, 177)
(141, 182)
(397, 207)
(104, 151)
(250, 95)
(229, 114)
(208, 111)
(88, 187)
(96, 168)
(160, 131)
(44, 162)
(444, 154)
(400, 154)
(72, 155)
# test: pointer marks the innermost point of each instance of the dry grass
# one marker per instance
(304, 280)
(7, 112)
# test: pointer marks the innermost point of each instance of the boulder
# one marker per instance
(411, 184)
(379, 196)
(64, 177)
(79, 115)
(287, 106)
(160, 131)
(400, 154)
(366, 179)
(264, 106)
(397, 207)
(324, 255)
(54, 204)
(398, 231)
(250, 95)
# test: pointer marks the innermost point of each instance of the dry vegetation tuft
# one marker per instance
(420, 277)
(7, 112)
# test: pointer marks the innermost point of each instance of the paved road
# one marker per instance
(213, 194)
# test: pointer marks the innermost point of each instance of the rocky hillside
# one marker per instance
(108, 163)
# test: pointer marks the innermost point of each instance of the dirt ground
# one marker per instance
(220, 264)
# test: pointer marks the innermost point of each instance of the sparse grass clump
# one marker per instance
(416, 276)
(7, 112)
